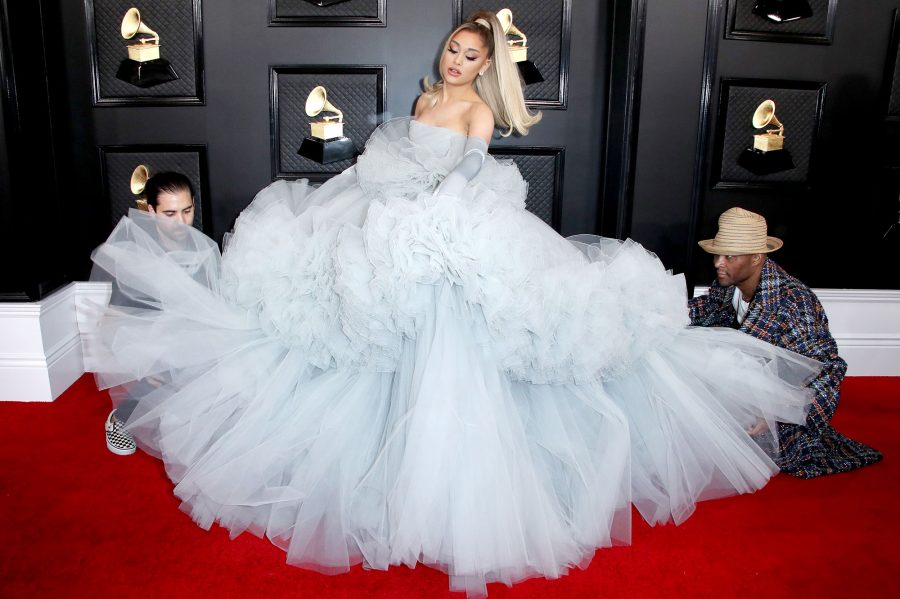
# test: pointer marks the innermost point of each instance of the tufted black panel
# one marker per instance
(797, 106)
(542, 168)
(818, 29)
(547, 26)
(358, 13)
(118, 162)
(178, 24)
(357, 91)
(892, 72)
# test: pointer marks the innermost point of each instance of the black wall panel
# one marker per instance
(178, 24)
(118, 163)
(542, 169)
(357, 91)
(348, 13)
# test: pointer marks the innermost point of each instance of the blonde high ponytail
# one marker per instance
(501, 85)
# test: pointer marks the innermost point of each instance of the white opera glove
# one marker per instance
(468, 166)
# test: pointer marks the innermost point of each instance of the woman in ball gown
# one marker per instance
(405, 366)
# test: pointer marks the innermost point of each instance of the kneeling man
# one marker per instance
(755, 295)
(170, 198)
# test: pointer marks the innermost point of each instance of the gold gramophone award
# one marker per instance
(324, 3)
(772, 139)
(768, 154)
(143, 67)
(518, 48)
(782, 11)
(138, 182)
(326, 142)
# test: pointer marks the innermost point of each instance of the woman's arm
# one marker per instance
(480, 129)
(481, 123)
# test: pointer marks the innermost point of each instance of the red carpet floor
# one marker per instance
(81, 522)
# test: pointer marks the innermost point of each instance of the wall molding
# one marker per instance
(284, 103)
(558, 155)
(715, 20)
(40, 347)
(158, 158)
(629, 24)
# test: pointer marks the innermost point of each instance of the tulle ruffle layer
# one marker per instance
(480, 476)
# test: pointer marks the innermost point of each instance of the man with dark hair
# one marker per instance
(170, 196)
(755, 295)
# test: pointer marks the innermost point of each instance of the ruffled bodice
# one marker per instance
(405, 158)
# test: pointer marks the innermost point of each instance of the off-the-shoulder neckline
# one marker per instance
(454, 131)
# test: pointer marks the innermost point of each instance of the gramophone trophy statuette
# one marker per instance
(782, 11)
(143, 67)
(138, 182)
(326, 142)
(323, 3)
(767, 155)
(330, 126)
(772, 139)
(518, 48)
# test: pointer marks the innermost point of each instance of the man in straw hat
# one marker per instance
(755, 295)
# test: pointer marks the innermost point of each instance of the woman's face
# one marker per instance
(465, 57)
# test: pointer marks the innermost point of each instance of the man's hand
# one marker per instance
(757, 429)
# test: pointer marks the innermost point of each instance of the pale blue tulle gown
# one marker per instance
(369, 374)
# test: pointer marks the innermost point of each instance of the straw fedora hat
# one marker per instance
(741, 232)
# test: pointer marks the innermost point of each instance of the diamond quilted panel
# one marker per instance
(745, 20)
(357, 92)
(542, 23)
(303, 8)
(173, 20)
(541, 169)
(795, 108)
(119, 164)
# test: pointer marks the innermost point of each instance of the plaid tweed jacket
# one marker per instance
(786, 313)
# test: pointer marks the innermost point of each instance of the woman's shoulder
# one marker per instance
(478, 109)
(480, 120)
(424, 101)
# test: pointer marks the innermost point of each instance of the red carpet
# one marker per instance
(81, 522)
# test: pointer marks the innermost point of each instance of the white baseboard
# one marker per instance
(40, 343)
(866, 325)
(40, 347)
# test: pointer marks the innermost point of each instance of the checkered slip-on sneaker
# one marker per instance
(118, 440)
